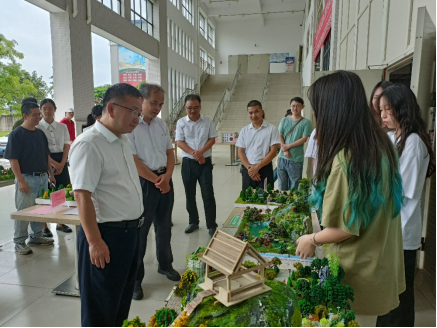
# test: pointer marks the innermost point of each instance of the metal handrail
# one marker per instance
(178, 107)
(206, 67)
(227, 94)
(203, 78)
(264, 94)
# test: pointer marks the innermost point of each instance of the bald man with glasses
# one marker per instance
(195, 135)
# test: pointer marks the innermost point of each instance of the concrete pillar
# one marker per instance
(72, 64)
(163, 56)
(115, 73)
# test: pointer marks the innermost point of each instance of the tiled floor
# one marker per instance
(26, 281)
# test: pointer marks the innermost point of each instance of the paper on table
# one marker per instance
(73, 211)
(41, 210)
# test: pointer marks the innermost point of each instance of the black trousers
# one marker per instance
(106, 294)
(192, 172)
(157, 210)
(64, 177)
(404, 314)
(265, 172)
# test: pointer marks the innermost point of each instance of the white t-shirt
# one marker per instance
(57, 135)
(312, 149)
(413, 165)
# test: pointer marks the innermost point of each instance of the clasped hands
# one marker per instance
(198, 156)
(253, 172)
(59, 167)
(286, 149)
(163, 183)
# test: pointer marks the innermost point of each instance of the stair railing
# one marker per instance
(227, 94)
(176, 110)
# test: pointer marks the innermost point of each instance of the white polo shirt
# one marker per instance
(413, 165)
(257, 142)
(195, 134)
(57, 135)
(102, 164)
(150, 143)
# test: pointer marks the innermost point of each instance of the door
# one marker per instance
(422, 84)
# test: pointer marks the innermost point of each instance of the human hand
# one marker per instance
(197, 154)
(52, 180)
(23, 186)
(287, 154)
(256, 177)
(305, 247)
(163, 183)
(285, 147)
(99, 253)
(202, 160)
(58, 167)
(252, 170)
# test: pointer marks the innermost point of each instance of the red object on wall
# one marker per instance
(323, 28)
(132, 77)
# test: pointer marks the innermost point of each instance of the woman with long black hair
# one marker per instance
(358, 192)
(58, 139)
(374, 100)
(401, 114)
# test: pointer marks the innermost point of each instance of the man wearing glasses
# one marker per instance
(195, 135)
(153, 155)
(110, 203)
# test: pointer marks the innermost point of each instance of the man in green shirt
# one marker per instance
(294, 131)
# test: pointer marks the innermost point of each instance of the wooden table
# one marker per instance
(69, 287)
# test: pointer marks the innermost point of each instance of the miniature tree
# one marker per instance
(314, 275)
(249, 192)
(305, 307)
(353, 323)
(41, 192)
(269, 188)
(270, 275)
(136, 322)
(276, 263)
(316, 264)
(302, 285)
(265, 194)
(321, 311)
(298, 265)
(243, 195)
(293, 275)
(165, 317)
(283, 248)
(317, 295)
(334, 263)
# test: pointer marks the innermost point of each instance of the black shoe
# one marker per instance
(191, 228)
(47, 233)
(211, 231)
(171, 274)
(138, 293)
(64, 228)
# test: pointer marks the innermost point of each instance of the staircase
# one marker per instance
(211, 93)
(282, 87)
(250, 87)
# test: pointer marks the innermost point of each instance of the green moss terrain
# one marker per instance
(276, 308)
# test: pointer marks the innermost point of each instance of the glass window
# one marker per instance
(210, 35)
(202, 25)
(175, 3)
(115, 5)
(326, 53)
(187, 10)
(142, 15)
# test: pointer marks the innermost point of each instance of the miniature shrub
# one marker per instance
(136, 322)
(182, 321)
(270, 275)
(353, 323)
(305, 307)
(165, 317)
(321, 311)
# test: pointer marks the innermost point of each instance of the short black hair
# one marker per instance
(97, 110)
(297, 99)
(27, 104)
(192, 97)
(254, 103)
(47, 100)
(119, 91)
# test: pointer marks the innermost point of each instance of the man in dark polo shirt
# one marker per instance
(28, 153)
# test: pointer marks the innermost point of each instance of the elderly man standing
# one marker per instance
(110, 202)
(195, 135)
(257, 146)
(153, 155)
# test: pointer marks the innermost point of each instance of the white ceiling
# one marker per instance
(260, 10)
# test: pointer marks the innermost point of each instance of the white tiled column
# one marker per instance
(72, 64)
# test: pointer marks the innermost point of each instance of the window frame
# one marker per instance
(148, 10)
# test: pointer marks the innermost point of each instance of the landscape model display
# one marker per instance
(44, 195)
(276, 230)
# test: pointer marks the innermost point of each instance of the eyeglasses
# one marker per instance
(134, 112)
(192, 108)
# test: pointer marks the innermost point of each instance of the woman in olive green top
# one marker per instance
(358, 192)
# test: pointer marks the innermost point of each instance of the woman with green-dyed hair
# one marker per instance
(358, 192)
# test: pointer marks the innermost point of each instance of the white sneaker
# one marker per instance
(42, 241)
(23, 249)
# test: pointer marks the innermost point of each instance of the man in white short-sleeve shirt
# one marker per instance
(110, 203)
(257, 146)
(153, 155)
(195, 135)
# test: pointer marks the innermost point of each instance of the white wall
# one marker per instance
(239, 37)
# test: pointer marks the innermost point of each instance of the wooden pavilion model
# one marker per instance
(234, 283)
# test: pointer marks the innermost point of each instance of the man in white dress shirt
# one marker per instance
(110, 203)
(257, 146)
(153, 155)
(195, 135)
